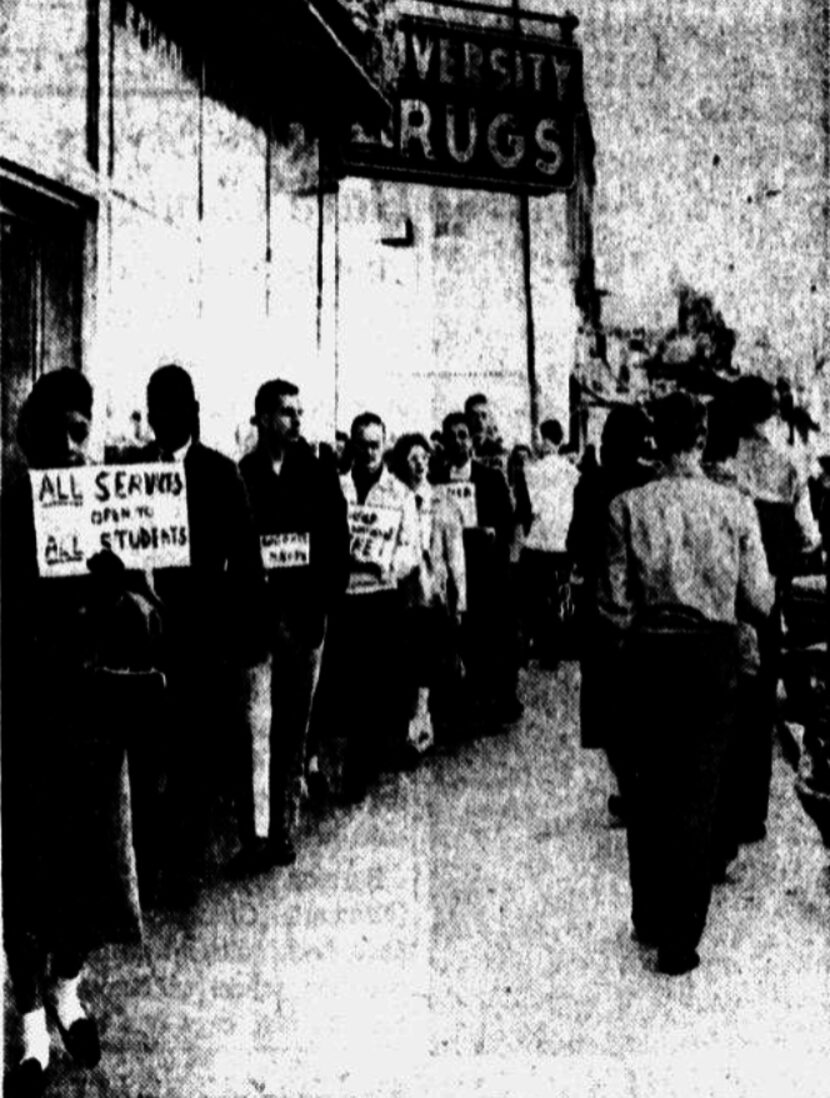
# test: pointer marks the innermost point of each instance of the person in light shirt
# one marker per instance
(683, 564)
(771, 476)
(551, 482)
(365, 688)
(439, 598)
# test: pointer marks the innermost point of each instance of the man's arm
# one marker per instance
(614, 599)
(245, 571)
(407, 558)
(756, 588)
(805, 520)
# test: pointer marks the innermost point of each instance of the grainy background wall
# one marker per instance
(710, 118)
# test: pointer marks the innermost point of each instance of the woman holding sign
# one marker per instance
(69, 645)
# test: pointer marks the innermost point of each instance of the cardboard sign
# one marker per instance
(285, 551)
(463, 492)
(374, 534)
(137, 511)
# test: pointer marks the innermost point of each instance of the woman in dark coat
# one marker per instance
(68, 645)
(623, 452)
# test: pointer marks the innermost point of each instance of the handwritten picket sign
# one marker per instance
(285, 551)
(463, 492)
(137, 511)
(374, 534)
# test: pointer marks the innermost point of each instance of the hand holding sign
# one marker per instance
(139, 512)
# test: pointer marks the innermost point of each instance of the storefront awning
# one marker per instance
(287, 60)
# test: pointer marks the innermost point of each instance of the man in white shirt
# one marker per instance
(365, 687)
(545, 564)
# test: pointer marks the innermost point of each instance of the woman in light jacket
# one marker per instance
(438, 596)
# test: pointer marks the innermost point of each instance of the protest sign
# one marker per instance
(463, 492)
(374, 534)
(284, 551)
(137, 511)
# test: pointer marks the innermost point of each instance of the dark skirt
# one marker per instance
(69, 875)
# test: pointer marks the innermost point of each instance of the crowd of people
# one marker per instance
(387, 595)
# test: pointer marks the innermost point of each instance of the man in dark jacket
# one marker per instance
(490, 646)
(213, 628)
(300, 517)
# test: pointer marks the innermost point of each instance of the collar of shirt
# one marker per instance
(462, 472)
(177, 456)
(423, 495)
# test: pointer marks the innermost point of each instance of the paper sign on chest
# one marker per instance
(463, 493)
(374, 534)
(285, 551)
(137, 511)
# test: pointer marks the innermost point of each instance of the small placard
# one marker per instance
(285, 551)
(137, 511)
(374, 534)
(464, 494)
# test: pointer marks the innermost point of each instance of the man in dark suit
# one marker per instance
(490, 646)
(300, 516)
(213, 630)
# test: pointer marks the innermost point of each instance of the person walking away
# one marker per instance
(749, 769)
(790, 531)
(546, 566)
(683, 559)
(624, 449)
(300, 517)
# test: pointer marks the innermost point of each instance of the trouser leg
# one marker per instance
(199, 750)
(756, 732)
(681, 742)
(296, 670)
(254, 728)
(27, 963)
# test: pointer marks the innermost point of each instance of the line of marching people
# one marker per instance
(374, 607)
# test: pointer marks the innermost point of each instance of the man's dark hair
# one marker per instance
(471, 401)
(755, 400)
(679, 423)
(722, 429)
(367, 419)
(453, 419)
(270, 394)
(625, 436)
(400, 452)
(551, 431)
(170, 383)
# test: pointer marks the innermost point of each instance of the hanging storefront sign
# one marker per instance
(474, 107)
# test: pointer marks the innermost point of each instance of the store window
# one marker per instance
(41, 295)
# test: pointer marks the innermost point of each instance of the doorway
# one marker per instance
(41, 296)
